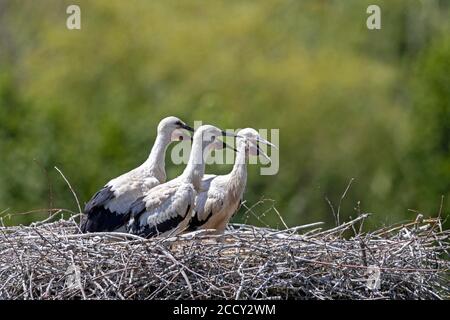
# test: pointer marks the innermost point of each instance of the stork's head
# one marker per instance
(253, 140)
(209, 136)
(175, 128)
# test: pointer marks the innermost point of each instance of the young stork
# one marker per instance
(108, 208)
(166, 209)
(221, 196)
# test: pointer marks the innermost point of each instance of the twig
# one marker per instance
(71, 189)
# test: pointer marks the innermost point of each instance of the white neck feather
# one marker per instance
(155, 163)
(195, 169)
(238, 176)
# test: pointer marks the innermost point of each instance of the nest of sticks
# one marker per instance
(52, 260)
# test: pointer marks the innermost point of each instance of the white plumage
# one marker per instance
(167, 208)
(108, 208)
(222, 195)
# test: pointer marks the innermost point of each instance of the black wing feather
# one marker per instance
(195, 223)
(101, 219)
(97, 218)
(137, 207)
(167, 225)
(100, 198)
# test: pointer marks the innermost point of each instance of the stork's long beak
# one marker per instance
(230, 134)
(226, 145)
(262, 153)
(259, 139)
(185, 126)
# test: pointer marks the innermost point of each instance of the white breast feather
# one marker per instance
(220, 200)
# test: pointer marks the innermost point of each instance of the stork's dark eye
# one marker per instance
(178, 123)
(181, 138)
(213, 137)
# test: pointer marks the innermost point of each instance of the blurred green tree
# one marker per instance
(430, 154)
(89, 100)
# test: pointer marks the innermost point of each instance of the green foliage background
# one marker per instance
(349, 102)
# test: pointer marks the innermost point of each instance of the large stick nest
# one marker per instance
(52, 260)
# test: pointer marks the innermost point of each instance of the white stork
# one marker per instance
(222, 195)
(107, 210)
(167, 208)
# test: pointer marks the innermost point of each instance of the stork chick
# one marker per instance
(222, 195)
(166, 209)
(107, 210)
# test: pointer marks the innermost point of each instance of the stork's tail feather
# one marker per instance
(87, 224)
(84, 223)
(103, 220)
(196, 223)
